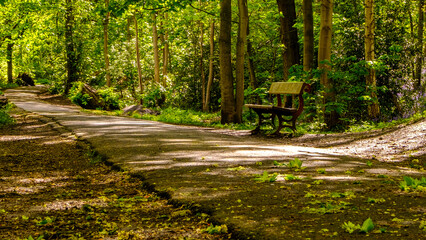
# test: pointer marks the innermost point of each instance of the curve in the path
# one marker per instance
(200, 167)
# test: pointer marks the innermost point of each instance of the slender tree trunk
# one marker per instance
(129, 39)
(291, 54)
(155, 45)
(324, 54)
(138, 56)
(202, 74)
(250, 55)
(211, 58)
(308, 42)
(226, 78)
(251, 68)
(69, 46)
(9, 57)
(165, 52)
(420, 35)
(241, 50)
(373, 108)
(106, 57)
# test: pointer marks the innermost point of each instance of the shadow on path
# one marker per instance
(216, 172)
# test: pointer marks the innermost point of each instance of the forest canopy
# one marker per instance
(363, 58)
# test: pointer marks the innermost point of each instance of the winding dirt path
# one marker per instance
(216, 172)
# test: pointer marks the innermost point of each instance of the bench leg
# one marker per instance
(257, 129)
(260, 121)
(281, 125)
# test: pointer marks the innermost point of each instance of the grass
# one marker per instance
(368, 126)
(5, 119)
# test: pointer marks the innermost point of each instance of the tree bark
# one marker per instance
(69, 46)
(9, 57)
(241, 50)
(373, 107)
(420, 35)
(308, 42)
(324, 54)
(226, 78)
(165, 39)
(155, 45)
(138, 56)
(202, 74)
(288, 33)
(211, 58)
(250, 55)
(106, 57)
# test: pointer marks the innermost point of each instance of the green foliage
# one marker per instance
(413, 184)
(350, 227)
(154, 96)
(5, 118)
(38, 238)
(212, 229)
(265, 177)
(295, 164)
(348, 195)
(239, 168)
(4, 85)
(110, 98)
(324, 208)
(376, 200)
(42, 81)
(76, 95)
(422, 225)
(367, 226)
(46, 220)
(56, 87)
(291, 177)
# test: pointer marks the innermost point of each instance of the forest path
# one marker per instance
(211, 170)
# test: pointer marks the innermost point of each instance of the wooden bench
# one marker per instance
(285, 114)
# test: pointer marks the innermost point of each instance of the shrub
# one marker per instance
(110, 98)
(76, 95)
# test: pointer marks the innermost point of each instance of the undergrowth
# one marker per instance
(5, 119)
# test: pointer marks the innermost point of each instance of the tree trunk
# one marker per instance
(69, 46)
(202, 74)
(288, 33)
(106, 57)
(308, 42)
(419, 60)
(165, 53)
(155, 45)
(9, 57)
(129, 41)
(373, 108)
(138, 56)
(211, 58)
(226, 78)
(251, 68)
(324, 54)
(250, 55)
(241, 50)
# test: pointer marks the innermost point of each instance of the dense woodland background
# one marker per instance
(364, 59)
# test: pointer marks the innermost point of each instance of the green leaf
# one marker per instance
(367, 226)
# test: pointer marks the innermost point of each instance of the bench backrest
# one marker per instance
(295, 88)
